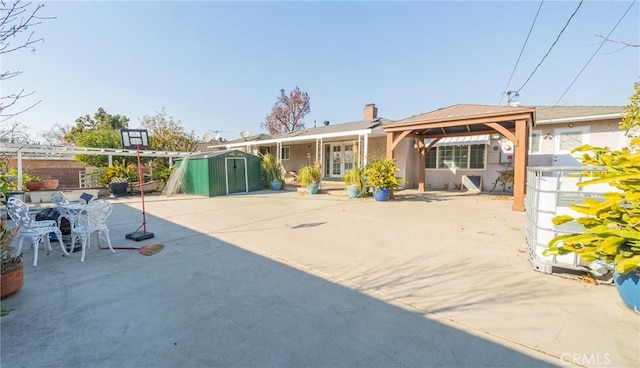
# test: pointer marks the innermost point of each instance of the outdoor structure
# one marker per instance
(22, 153)
(475, 122)
(221, 173)
(330, 144)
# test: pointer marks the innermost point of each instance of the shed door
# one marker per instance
(236, 175)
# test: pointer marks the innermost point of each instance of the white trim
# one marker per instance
(303, 138)
(580, 118)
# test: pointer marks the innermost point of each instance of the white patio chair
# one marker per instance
(60, 201)
(92, 219)
(35, 230)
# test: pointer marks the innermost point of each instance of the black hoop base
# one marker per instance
(139, 235)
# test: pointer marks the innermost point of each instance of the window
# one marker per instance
(431, 158)
(456, 157)
(534, 143)
(286, 153)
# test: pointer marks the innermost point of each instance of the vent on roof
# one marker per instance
(326, 122)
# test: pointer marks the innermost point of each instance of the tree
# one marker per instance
(56, 135)
(167, 134)
(288, 112)
(100, 120)
(16, 22)
(101, 130)
(14, 133)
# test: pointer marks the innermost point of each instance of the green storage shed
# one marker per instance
(221, 173)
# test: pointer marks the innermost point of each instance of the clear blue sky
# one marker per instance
(220, 65)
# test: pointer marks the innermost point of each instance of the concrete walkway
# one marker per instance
(287, 279)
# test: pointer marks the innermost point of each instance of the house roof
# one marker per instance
(324, 131)
(251, 138)
(558, 114)
(336, 128)
(457, 112)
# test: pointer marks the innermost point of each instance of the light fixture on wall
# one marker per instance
(548, 136)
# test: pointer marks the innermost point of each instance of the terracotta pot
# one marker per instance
(11, 281)
(32, 186)
(50, 184)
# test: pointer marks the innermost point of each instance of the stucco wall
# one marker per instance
(601, 133)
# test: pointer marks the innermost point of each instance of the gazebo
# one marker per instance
(513, 122)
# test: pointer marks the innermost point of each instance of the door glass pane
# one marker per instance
(336, 160)
(327, 160)
(349, 158)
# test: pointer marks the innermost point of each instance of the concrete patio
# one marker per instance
(289, 279)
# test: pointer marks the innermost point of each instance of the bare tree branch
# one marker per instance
(288, 112)
(626, 44)
(16, 21)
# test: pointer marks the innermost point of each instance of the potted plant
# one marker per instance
(611, 232)
(355, 181)
(380, 175)
(272, 172)
(29, 182)
(118, 176)
(309, 176)
(11, 267)
(32, 182)
(50, 184)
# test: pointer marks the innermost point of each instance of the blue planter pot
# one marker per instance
(313, 188)
(381, 194)
(352, 190)
(628, 287)
(276, 185)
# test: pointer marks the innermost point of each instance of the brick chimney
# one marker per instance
(370, 112)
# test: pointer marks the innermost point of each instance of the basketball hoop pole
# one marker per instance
(137, 235)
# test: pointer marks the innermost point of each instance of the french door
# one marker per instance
(341, 159)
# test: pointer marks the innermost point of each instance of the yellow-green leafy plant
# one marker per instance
(612, 225)
(355, 176)
(271, 167)
(381, 173)
(119, 172)
(309, 174)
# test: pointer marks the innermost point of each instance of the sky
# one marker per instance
(219, 66)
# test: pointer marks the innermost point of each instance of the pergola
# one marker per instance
(49, 152)
(514, 123)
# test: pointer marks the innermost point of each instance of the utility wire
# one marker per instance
(521, 51)
(594, 54)
(552, 45)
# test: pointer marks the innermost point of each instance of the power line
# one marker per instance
(552, 45)
(594, 54)
(521, 51)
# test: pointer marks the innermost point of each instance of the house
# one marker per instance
(560, 129)
(486, 141)
(338, 147)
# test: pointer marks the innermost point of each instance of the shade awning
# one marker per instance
(461, 141)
